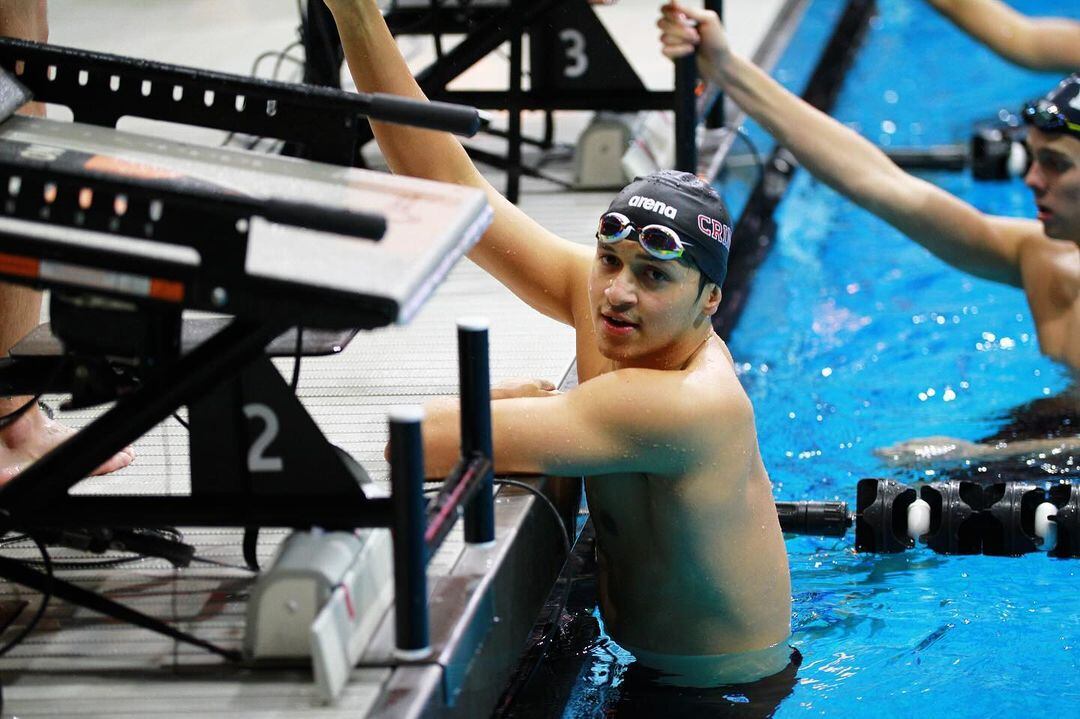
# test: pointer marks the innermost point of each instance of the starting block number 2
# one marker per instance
(257, 459)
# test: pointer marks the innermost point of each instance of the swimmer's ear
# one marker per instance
(711, 296)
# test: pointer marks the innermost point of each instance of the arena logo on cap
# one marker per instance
(648, 203)
(715, 229)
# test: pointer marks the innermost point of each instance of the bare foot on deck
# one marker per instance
(32, 435)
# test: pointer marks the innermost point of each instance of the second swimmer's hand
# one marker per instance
(686, 30)
(930, 450)
(523, 387)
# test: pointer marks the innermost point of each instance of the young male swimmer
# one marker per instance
(693, 571)
(1040, 256)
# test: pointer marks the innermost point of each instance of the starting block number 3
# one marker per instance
(577, 62)
(257, 459)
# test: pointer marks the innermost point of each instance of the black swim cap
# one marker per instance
(688, 205)
(1059, 111)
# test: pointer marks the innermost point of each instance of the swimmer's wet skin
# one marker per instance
(692, 561)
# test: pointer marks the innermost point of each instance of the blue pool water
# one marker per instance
(855, 338)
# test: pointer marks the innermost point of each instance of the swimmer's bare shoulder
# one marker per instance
(677, 411)
(1050, 277)
(725, 411)
(699, 419)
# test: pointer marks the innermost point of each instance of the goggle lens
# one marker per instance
(614, 227)
(661, 242)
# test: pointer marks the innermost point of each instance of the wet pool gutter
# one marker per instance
(480, 614)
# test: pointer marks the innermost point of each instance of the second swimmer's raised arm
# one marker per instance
(840, 157)
(1039, 43)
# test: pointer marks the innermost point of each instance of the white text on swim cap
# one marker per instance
(648, 203)
(715, 229)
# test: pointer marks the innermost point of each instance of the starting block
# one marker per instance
(128, 233)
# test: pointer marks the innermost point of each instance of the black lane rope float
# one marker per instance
(951, 517)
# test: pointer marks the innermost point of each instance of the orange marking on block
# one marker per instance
(168, 290)
(19, 265)
(127, 168)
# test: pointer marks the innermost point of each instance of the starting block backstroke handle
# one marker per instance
(100, 89)
(434, 115)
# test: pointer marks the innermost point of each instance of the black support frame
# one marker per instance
(487, 29)
(229, 370)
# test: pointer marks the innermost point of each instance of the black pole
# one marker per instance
(476, 424)
(714, 116)
(686, 114)
(410, 569)
(513, 154)
(322, 47)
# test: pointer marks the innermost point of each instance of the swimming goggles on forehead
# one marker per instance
(661, 242)
(1047, 116)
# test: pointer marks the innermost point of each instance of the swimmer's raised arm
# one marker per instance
(948, 227)
(1039, 43)
(629, 420)
(541, 268)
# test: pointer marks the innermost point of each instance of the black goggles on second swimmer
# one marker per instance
(661, 242)
(1048, 117)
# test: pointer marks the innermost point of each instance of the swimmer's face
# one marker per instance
(1054, 177)
(646, 310)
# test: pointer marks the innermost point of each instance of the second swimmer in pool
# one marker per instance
(693, 571)
(1040, 256)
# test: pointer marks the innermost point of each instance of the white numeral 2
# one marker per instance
(257, 459)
